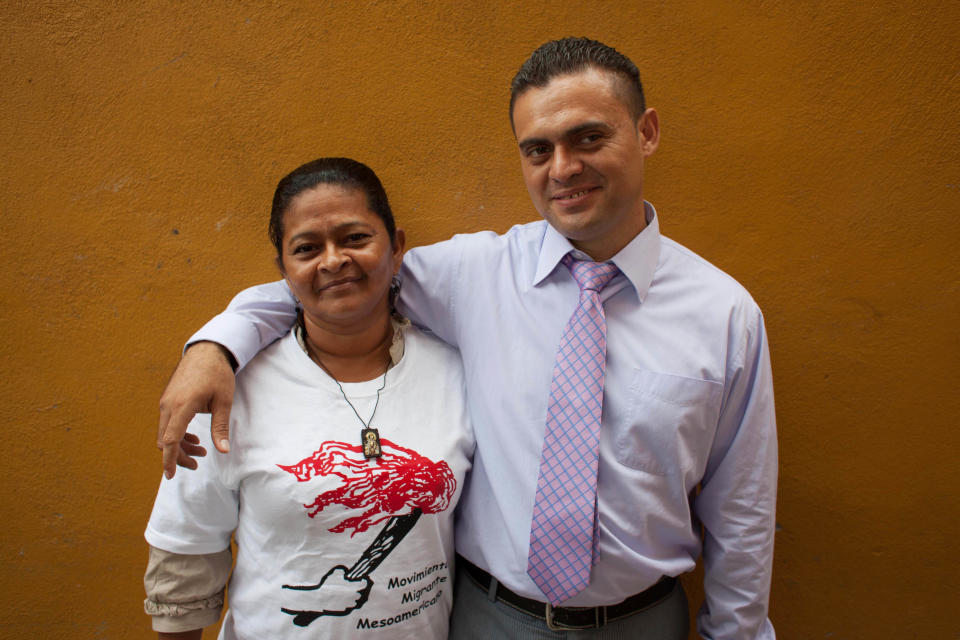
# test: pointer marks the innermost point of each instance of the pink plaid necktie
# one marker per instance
(563, 531)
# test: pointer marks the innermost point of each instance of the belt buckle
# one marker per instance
(552, 626)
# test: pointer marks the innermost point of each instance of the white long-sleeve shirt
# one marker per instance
(688, 405)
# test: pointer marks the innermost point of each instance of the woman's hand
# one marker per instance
(203, 382)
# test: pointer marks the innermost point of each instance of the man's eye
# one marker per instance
(357, 237)
(590, 138)
(303, 248)
(537, 151)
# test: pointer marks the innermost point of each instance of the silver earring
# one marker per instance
(394, 291)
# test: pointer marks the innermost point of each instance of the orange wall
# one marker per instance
(809, 149)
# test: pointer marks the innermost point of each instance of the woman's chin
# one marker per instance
(345, 316)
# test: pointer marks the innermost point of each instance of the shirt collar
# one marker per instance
(637, 261)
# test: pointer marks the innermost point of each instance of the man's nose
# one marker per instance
(564, 165)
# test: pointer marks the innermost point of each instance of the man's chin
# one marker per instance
(574, 226)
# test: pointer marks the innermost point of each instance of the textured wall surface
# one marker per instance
(809, 149)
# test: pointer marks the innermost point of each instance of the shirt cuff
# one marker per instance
(167, 620)
(235, 333)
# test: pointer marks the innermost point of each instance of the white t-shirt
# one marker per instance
(310, 512)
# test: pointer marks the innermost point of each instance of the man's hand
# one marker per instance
(203, 382)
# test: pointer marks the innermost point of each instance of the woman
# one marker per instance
(350, 440)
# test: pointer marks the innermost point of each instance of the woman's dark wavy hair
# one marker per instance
(344, 172)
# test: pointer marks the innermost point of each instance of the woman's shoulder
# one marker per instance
(424, 340)
(427, 356)
(282, 359)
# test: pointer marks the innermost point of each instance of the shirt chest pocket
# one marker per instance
(670, 423)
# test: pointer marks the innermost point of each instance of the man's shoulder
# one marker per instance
(481, 249)
(502, 257)
(680, 266)
(520, 237)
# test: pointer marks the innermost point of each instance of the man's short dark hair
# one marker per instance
(572, 55)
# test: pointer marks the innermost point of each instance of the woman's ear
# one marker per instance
(399, 243)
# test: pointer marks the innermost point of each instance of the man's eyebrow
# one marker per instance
(586, 126)
(569, 133)
(529, 142)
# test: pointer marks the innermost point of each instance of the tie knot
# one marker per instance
(591, 276)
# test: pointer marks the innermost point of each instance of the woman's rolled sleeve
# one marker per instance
(184, 591)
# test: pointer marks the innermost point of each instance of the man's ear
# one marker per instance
(648, 128)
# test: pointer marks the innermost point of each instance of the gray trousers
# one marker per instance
(478, 616)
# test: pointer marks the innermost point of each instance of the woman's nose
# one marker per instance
(333, 259)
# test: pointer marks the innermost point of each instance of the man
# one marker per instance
(686, 434)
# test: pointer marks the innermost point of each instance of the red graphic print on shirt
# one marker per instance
(399, 481)
(399, 486)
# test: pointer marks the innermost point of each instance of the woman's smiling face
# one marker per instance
(338, 257)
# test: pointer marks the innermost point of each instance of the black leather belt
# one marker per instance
(569, 618)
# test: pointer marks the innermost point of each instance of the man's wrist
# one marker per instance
(215, 346)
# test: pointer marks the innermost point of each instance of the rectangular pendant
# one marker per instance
(370, 439)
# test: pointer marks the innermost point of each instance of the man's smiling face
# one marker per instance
(582, 157)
